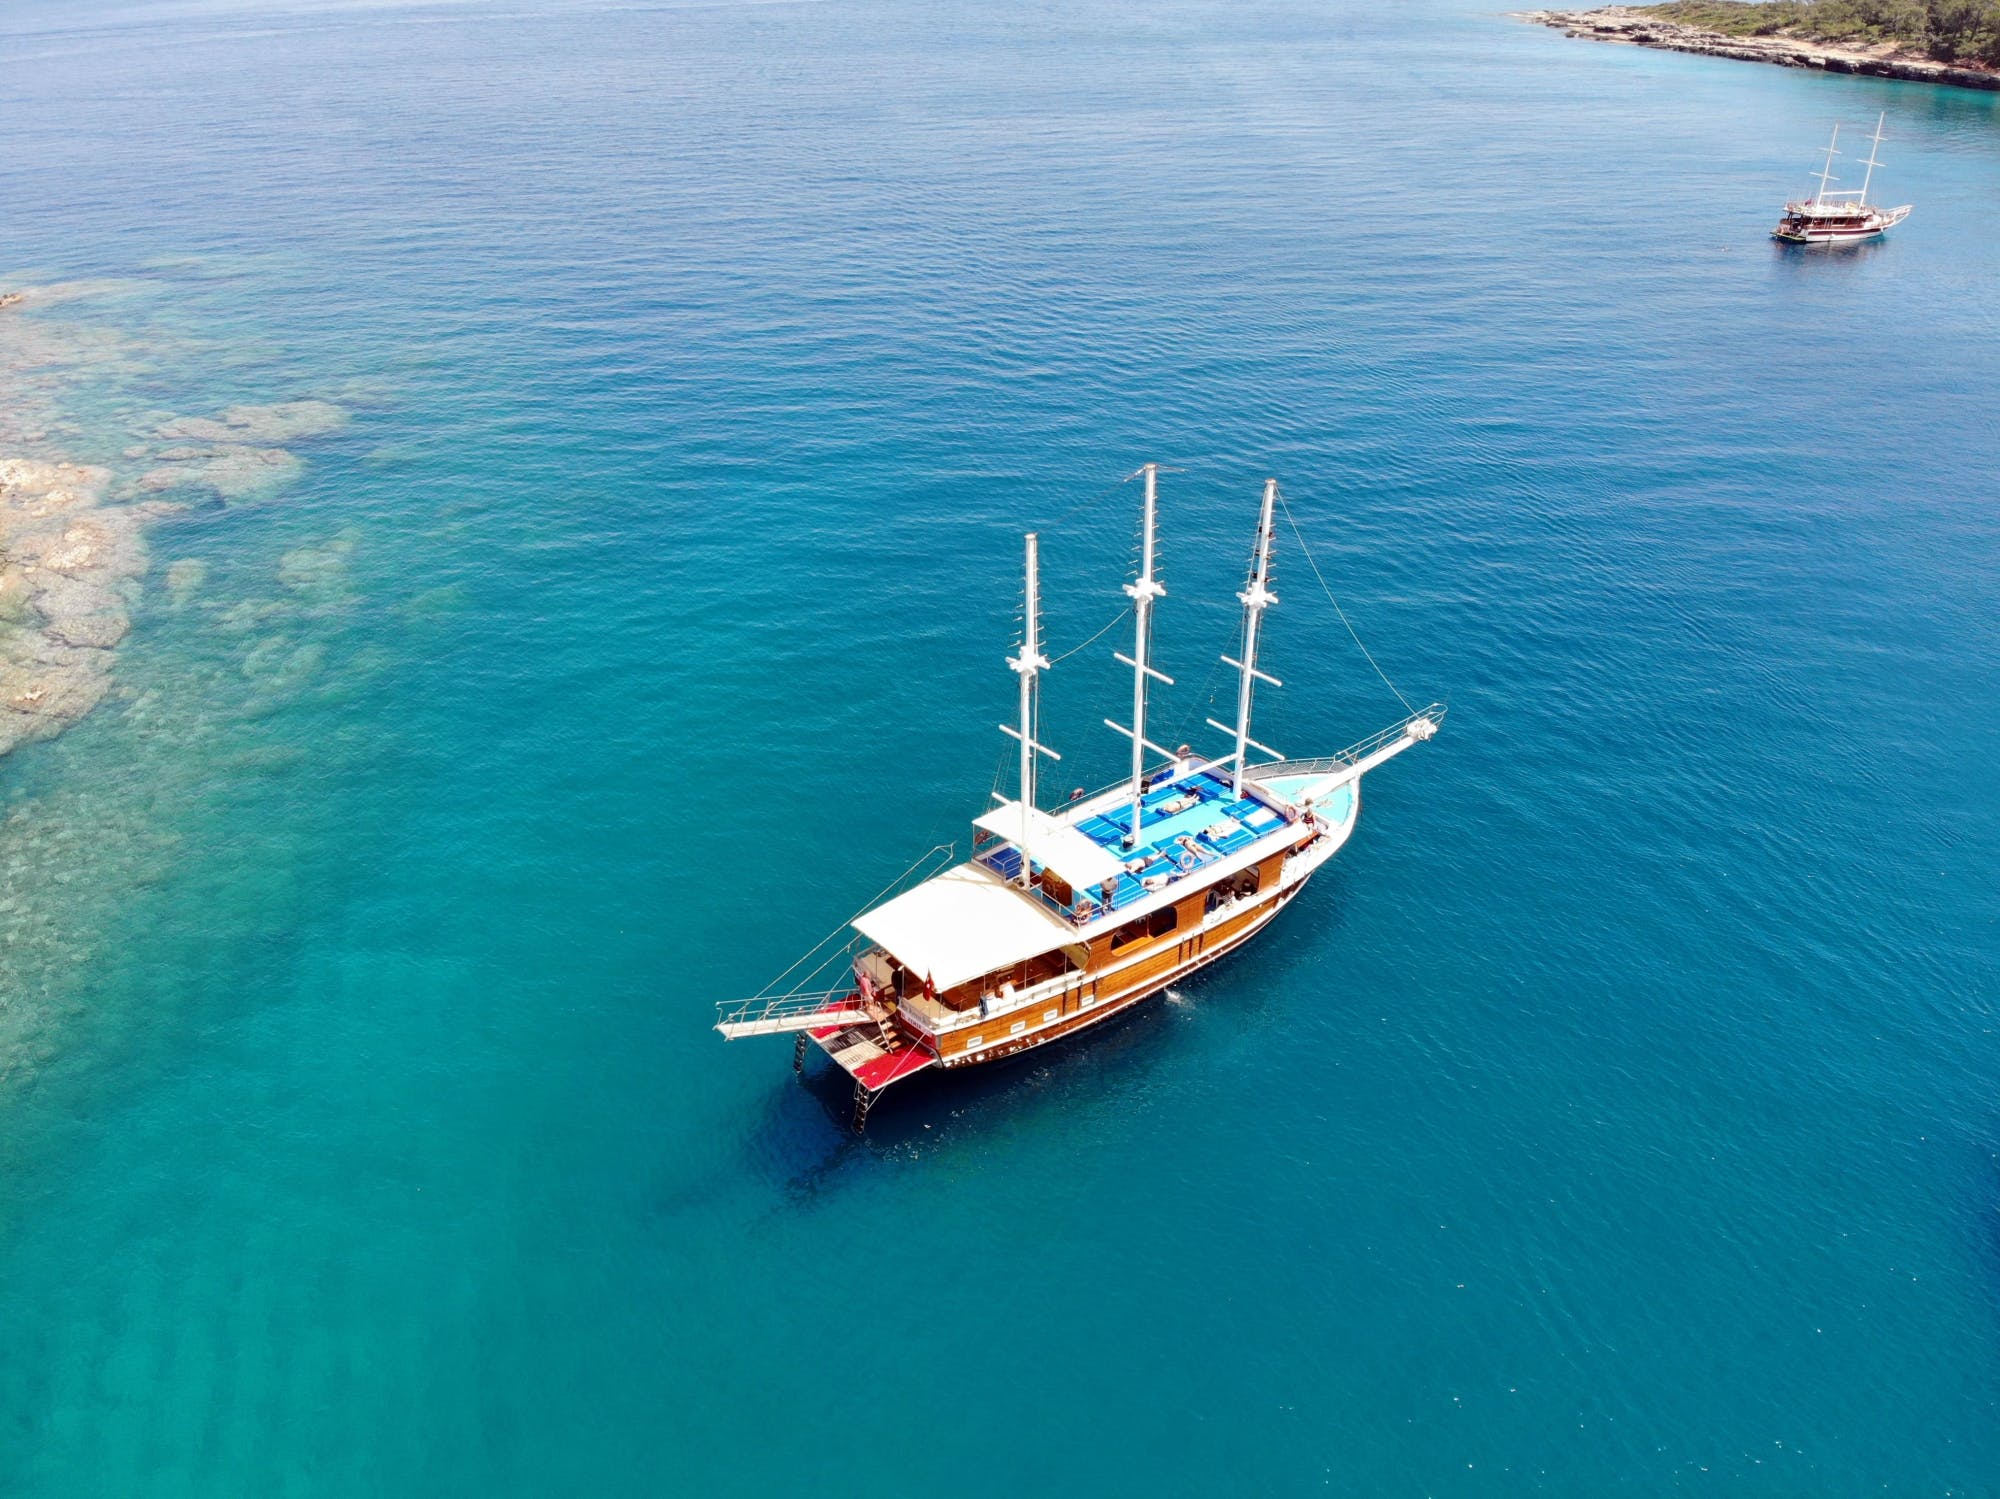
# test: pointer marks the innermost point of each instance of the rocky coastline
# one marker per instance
(1637, 28)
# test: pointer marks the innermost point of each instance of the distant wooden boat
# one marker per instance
(1061, 920)
(1830, 217)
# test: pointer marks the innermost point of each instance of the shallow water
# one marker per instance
(1618, 1110)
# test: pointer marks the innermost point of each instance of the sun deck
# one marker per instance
(1187, 824)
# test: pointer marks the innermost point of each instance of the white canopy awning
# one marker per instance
(965, 922)
(1053, 845)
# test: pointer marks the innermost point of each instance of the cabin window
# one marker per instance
(1163, 920)
(975, 1043)
(1017, 1027)
(1050, 1014)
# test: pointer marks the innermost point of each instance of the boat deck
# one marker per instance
(1186, 824)
(872, 1056)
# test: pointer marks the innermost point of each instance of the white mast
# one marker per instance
(1825, 173)
(1874, 148)
(1028, 665)
(1142, 593)
(1256, 599)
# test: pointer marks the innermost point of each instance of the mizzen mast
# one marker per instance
(1142, 593)
(1257, 597)
(1028, 666)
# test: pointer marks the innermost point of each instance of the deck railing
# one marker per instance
(779, 1012)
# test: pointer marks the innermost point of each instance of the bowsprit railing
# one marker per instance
(1416, 728)
(787, 1012)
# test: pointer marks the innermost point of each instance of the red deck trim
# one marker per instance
(893, 1068)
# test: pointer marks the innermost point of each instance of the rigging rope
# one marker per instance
(921, 858)
(1116, 620)
(1307, 553)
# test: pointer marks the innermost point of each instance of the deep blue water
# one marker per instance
(1619, 1112)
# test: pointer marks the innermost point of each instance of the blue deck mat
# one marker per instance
(1107, 830)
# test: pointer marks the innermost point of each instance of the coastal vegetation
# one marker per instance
(1951, 31)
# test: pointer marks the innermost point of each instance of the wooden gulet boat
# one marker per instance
(1062, 920)
(1843, 217)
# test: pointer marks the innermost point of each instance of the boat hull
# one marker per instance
(1796, 229)
(1114, 987)
(1095, 1001)
(1829, 236)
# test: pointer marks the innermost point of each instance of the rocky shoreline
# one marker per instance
(1620, 23)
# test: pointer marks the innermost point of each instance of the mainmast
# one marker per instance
(1142, 593)
(1825, 173)
(1874, 147)
(1029, 665)
(1257, 597)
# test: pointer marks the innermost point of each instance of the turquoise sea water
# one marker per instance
(1618, 1113)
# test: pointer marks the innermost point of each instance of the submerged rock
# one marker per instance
(66, 561)
(184, 579)
(318, 572)
(250, 614)
(233, 472)
(285, 421)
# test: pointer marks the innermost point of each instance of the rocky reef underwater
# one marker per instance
(95, 472)
(73, 534)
